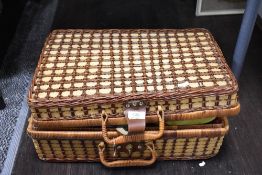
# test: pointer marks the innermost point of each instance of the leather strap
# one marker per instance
(136, 125)
(136, 120)
(133, 137)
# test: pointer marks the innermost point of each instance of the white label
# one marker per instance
(132, 114)
(122, 131)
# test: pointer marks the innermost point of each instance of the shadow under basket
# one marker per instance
(194, 142)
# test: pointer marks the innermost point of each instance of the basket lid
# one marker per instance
(184, 68)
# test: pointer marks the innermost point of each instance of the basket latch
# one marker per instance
(135, 112)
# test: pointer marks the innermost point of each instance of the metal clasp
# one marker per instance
(135, 109)
(135, 112)
(135, 104)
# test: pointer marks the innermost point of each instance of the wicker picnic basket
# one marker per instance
(110, 95)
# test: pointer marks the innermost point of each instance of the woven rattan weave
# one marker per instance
(194, 142)
(83, 72)
(105, 95)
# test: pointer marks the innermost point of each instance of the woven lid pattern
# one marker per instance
(102, 65)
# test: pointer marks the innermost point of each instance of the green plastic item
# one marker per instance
(191, 122)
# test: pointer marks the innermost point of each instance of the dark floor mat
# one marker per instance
(17, 69)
